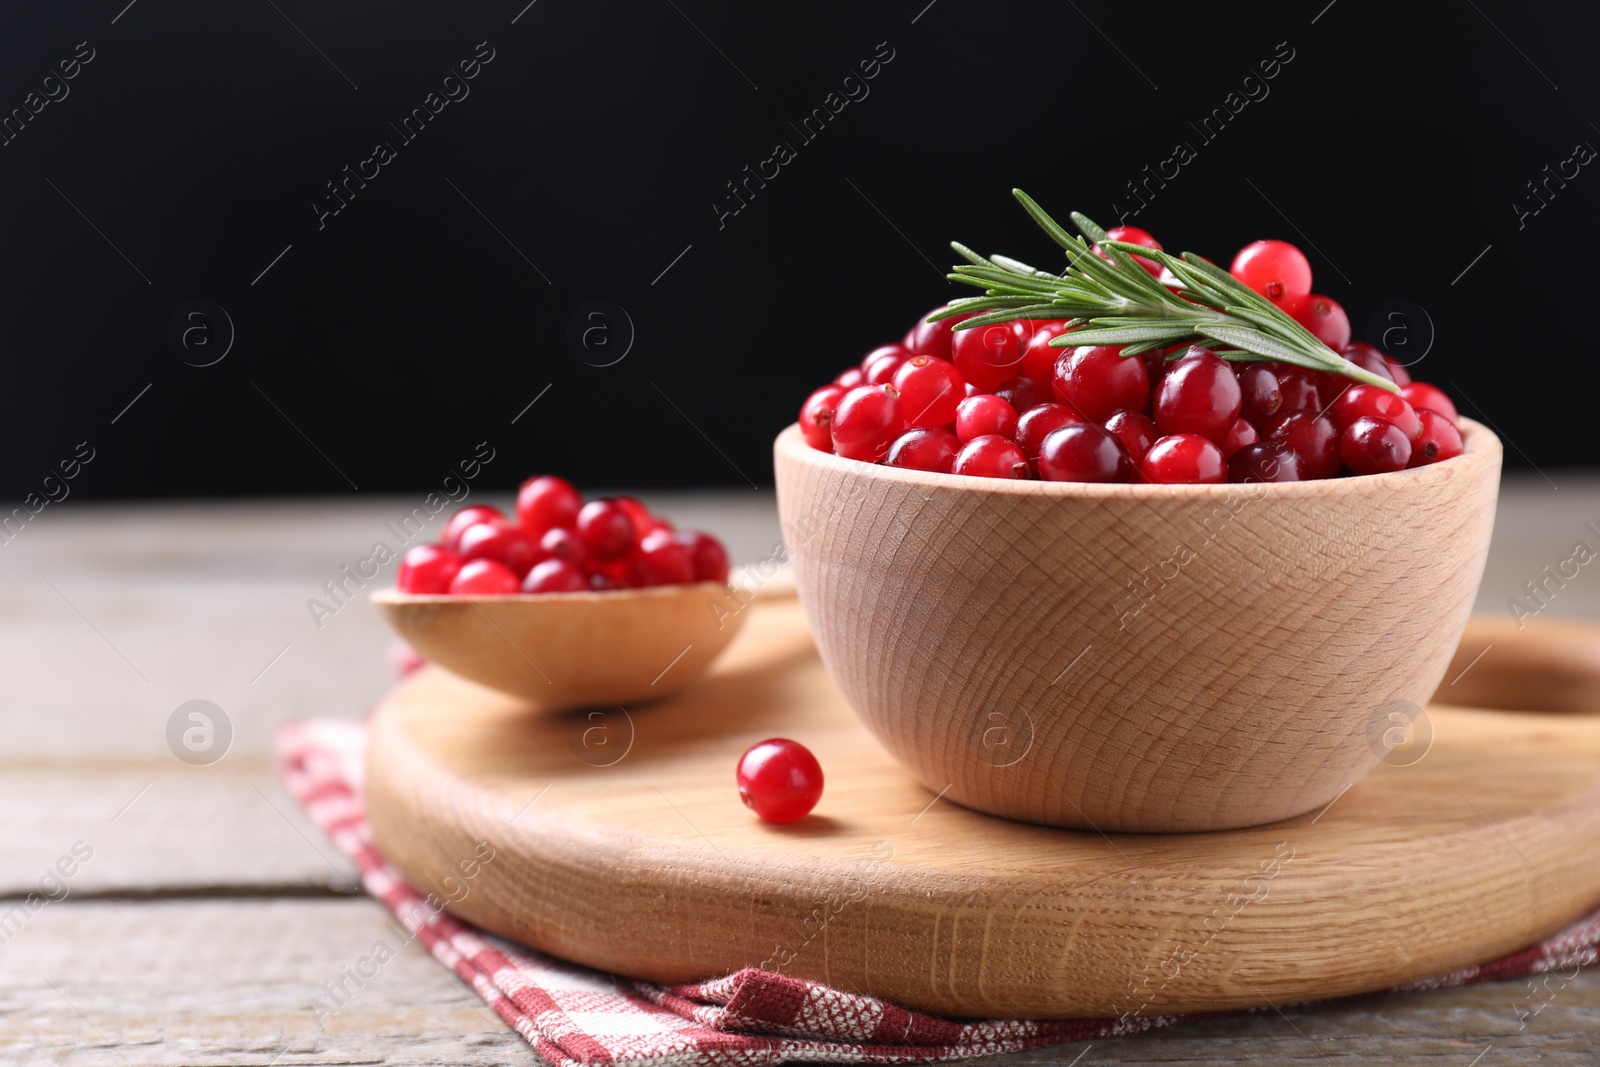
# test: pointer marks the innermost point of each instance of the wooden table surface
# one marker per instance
(208, 912)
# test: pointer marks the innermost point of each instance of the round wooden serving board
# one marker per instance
(620, 842)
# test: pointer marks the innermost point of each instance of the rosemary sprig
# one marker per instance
(1117, 302)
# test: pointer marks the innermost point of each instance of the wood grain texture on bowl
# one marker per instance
(573, 649)
(1135, 657)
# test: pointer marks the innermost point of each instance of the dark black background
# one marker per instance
(407, 330)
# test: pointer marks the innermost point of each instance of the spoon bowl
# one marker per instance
(572, 649)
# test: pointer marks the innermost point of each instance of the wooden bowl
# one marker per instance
(1136, 657)
(572, 649)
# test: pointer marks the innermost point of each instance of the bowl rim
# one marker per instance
(392, 595)
(1480, 448)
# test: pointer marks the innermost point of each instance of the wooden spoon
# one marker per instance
(573, 649)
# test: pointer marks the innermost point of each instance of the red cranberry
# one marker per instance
(467, 516)
(1135, 430)
(1369, 400)
(1276, 269)
(1374, 446)
(931, 338)
(1261, 398)
(1023, 392)
(1135, 236)
(1368, 359)
(1422, 395)
(851, 377)
(1301, 390)
(1264, 461)
(561, 543)
(546, 502)
(977, 416)
(708, 554)
(1083, 452)
(991, 457)
(1323, 316)
(866, 419)
(882, 364)
(484, 577)
(1398, 373)
(1097, 381)
(987, 355)
(1184, 459)
(780, 780)
(1438, 440)
(427, 569)
(927, 448)
(605, 530)
(929, 391)
(1035, 423)
(1313, 438)
(643, 519)
(1038, 356)
(555, 576)
(1236, 438)
(1199, 395)
(661, 560)
(816, 416)
(510, 545)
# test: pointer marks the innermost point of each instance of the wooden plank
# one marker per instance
(141, 828)
(116, 984)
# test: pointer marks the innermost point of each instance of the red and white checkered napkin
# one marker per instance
(572, 1015)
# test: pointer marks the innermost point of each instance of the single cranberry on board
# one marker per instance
(484, 577)
(427, 569)
(927, 448)
(1184, 459)
(1083, 452)
(780, 780)
(546, 502)
(1276, 269)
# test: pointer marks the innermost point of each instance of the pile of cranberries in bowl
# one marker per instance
(999, 401)
(559, 544)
